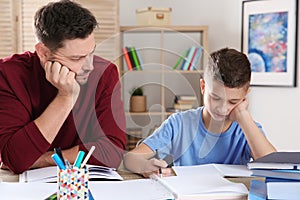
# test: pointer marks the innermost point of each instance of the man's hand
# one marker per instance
(238, 110)
(44, 161)
(63, 79)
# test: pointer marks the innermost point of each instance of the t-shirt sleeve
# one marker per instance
(163, 137)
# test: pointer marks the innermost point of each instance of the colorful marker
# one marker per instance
(58, 161)
(79, 159)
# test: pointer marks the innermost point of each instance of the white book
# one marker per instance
(283, 190)
(49, 174)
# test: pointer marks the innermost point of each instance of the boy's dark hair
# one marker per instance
(229, 66)
(63, 20)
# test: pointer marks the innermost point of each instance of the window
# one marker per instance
(16, 32)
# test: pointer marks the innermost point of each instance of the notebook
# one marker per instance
(49, 174)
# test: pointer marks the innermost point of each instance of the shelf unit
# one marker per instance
(160, 48)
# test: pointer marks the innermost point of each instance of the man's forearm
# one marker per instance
(52, 119)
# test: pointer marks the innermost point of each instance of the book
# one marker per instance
(193, 58)
(277, 160)
(183, 106)
(49, 174)
(295, 175)
(196, 58)
(130, 55)
(139, 57)
(258, 190)
(145, 189)
(135, 59)
(189, 58)
(127, 60)
(185, 97)
(180, 59)
(286, 190)
(185, 58)
(134, 135)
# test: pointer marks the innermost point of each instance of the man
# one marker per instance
(60, 96)
(221, 131)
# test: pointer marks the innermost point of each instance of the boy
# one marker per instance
(221, 131)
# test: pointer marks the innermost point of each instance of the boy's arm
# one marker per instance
(259, 144)
(141, 160)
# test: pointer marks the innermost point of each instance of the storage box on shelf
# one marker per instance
(151, 16)
(158, 50)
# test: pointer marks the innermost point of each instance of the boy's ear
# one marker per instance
(202, 85)
(248, 91)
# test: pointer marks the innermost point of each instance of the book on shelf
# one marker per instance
(135, 58)
(195, 58)
(127, 59)
(184, 60)
(180, 59)
(139, 57)
(277, 160)
(189, 58)
(185, 97)
(183, 106)
(180, 101)
(49, 174)
(134, 135)
(130, 55)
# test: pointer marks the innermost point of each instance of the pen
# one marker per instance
(59, 153)
(165, 185)
(87, 156)
(78, 159)
(157, 157)
(68, 164)
(58, 161)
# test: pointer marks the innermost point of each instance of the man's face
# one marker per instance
(77, 55)
(220, 100)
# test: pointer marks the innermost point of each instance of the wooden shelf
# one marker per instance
(160, 47)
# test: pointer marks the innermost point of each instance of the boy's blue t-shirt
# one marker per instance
(184, 136)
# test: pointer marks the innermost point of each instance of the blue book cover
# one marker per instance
(258, 190)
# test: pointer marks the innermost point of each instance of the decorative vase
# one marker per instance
(138, 104)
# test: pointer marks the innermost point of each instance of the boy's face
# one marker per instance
(220, 100)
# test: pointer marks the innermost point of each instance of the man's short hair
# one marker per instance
(63, 20)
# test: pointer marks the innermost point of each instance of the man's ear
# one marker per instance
(42, 51)
(202, 85)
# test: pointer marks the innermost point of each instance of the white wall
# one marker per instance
(276, 108)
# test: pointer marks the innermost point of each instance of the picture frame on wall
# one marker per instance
(269, 39)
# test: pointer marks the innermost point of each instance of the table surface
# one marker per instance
(7, 176)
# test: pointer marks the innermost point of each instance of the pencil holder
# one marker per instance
(73, 184)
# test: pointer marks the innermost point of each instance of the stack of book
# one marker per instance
(281, 171)
(132, 58)
(184, 102)
(134, 135)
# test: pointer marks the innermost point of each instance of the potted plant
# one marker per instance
(137, 100)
